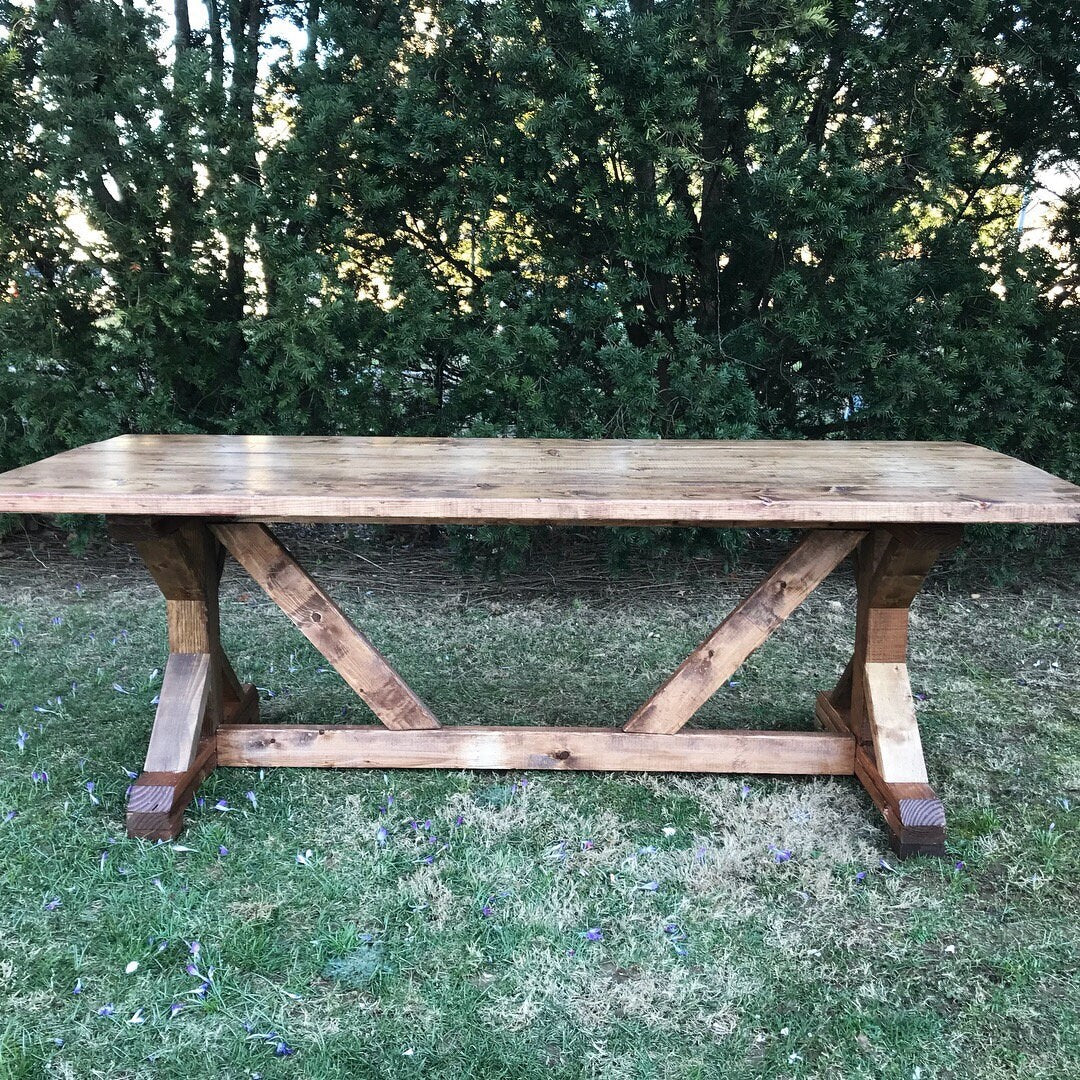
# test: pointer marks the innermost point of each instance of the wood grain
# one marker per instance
(157, 800)
(890, 568)
(186, 560)
(326, 626)
(717, 658)
(533, 481)
(181, 705)
(349, 746)
(894, 728)
(913, 813)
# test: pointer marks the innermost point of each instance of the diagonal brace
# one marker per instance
(325, 625)
(717, 658)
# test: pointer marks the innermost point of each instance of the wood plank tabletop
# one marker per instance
(535, 481)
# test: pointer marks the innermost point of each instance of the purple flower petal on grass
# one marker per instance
(381, 835)
(11, 815)
(780, 855)
(174, 1008)
(106, 1010)
(861, 875)
(78, 987)
(283, 1049)
(53, 904)
(223, 851)
(594, 934)
(250, 796)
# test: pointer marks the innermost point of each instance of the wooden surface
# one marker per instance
(890, 711)
(157, 800)
(325, 625)
(186, 563)
(718, 657)
(179, 718)
(293, 478)
(365, 747)
(913, 812)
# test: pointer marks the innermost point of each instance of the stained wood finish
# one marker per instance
(157, 800)
(873, 700)
(909, 498)
(200, 688)
(717, 658)
(358, 746)
(325, 625)
(913, 813)
(894, 730)
(185, 560)
(180, 711)
(276, 478)
(890, 568)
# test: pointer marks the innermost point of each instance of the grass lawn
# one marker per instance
(462, 924)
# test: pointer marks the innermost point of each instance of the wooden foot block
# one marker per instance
(157, 801)
(913, 813)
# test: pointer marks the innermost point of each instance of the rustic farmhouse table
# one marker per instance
(186, 500)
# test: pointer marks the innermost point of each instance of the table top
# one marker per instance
(536, 481)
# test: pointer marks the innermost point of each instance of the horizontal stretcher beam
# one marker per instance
(370, 746)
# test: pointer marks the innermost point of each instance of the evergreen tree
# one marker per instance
(677, 218)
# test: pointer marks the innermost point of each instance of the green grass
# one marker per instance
(378, 960)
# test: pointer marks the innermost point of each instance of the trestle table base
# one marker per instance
(207, 717)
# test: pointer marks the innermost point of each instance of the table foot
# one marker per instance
(914, 815)
(157, 800)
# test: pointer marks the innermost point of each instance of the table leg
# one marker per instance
(200, 690)
(873, 698)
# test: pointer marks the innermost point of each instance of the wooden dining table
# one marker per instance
(186, 501)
